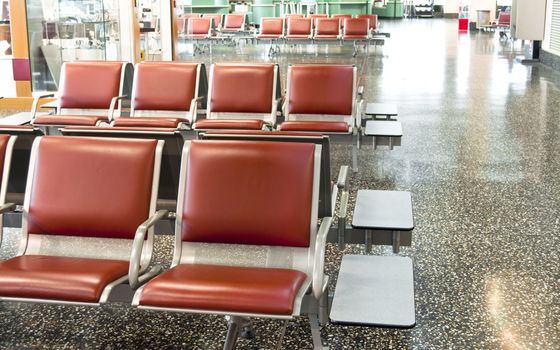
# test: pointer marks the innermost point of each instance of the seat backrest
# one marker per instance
(321, 90)
(90, 84)
(242, 89)
(91, 187)
(372, 20)
(249, 193)
(199, 26)
(342, 17)
(356, 26)
(165, 86)
(234, 21)
(299, 26)
(216, 18)
(325, 194)
(504, 18)
(327, 26)
(272, 26)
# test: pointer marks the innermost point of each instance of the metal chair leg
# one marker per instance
(234, 324)
(316, 332)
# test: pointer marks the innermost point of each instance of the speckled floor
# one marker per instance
(481, 156)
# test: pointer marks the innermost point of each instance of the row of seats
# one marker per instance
(237, 21)
(319, 98)
(241, 250)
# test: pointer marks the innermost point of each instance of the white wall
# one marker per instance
(451, 6)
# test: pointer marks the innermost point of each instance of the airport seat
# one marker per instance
(503, 24)
(165, 95)
(216, 19)
(321, 98)
(182, 21)
(89, 92)
(271, 28)
(372, 20)
(356, 29)
(199, 28)
(6, 154)
(234, 22)
(298, 29)
(241, 96)
(87, 200)
(272, 228)
(327, 29)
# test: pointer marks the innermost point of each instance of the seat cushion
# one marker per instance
(58, 278)
(325, 37)
(225, 289)
(69, 120)
(297, 36)
(269, 36)
(231, 124)
(152, 122)
(354, 37)
(317, 126)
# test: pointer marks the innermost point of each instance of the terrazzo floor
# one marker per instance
(481, 156)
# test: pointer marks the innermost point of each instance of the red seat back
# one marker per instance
(247, 192)
(320, 89)
(372, 20)
(239, 88)
(504, 18)
(216, 17)
(272, 26)
(327, 26)
(356, 26)
(315, 17)
(164, 86)
(199, 26)
(342, 17)
(180, 24)
(89, 187)
(89, 84)
(234, 21)
(299, 26)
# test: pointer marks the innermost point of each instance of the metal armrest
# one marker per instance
(134, 278)
(114, 101)
(275, 105)
(194, 108)
(359, 112)
(35, 104)
(360, 92)
(318, 283)
(342, 181)
(7, 207)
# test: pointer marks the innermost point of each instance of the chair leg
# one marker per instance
(315, 332)
(234, 324)
(354, 158)
(281, 337)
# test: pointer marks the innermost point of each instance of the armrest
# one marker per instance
(342, 181)
(275, 105)
(194, 108)
(35, 104)
(114, 101)
(134, 277)
(318, 284)
(7, 207)
(360, 92)
(359, 112)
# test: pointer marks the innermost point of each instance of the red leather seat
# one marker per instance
(216, 19)
(271, 28)
(356, 28)
(150, 122)
(225, 289)
(316, 126)
(234, 22)
(91, 120)
(199, 28)
(298, 28)
(236, 124)
(315, 17)
(58, 278)
(372, 20)
(327, 29)
(342, 17)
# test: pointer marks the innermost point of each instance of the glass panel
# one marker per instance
(183, 9)
(148, 12)
(68, 30)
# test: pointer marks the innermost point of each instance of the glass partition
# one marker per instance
(69, 30)
(148, 12)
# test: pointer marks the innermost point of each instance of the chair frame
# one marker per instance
(4, 207)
